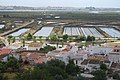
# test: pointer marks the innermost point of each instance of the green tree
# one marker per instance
(65, 37)
(23, 42)
(81, 38)
(100, 75)
(34, 39)
(40, 37)
(2, 77)
(9, 39)
(54, 37)
(29, 37)
(13, 39)
(2, 67)
(13, 64)
(103, 67)
(59, 77)
(90, 38)
(56, 63)
(72, 69)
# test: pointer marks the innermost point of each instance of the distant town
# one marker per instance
(50, 8)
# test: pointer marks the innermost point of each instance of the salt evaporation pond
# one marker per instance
(19, 32)
(81, 31)
(111, 31)
(45, 32)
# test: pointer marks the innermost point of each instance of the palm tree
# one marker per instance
(40, 37)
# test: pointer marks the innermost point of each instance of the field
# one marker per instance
(74, 27)
(84, 16)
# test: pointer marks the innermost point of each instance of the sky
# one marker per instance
(62, 3)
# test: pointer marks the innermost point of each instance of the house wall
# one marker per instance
(114, 58)
(33, 48)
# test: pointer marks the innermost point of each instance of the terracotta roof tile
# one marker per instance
(5, 51)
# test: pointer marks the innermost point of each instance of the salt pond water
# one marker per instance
(45, 32)
(111, 31)
(19, 32)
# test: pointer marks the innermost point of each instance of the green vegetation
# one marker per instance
(100, 75)
(65, 37)
(11, 39)
(84, 16)
(81, 38)
(54, 37)
(29, 37)
(103, 67)
(52, 70)
(11, 65)
(90, 38)
(47, 49)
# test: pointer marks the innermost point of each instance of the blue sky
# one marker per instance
(62, 3)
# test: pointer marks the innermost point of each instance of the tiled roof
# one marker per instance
(66, 50)
(117, 48)
(115, 65)
(5, 51)
(92, 61)
(40, 60)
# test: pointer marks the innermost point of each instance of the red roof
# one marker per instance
(5, 51)
(33, 57)
(117, 48)
(66, 50)
(40, 60)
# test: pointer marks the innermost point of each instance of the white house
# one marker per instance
(114, 56)
(99, 49)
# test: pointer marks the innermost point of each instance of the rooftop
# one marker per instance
(115, 65)
(5, 51)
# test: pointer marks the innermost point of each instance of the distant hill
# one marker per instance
(49, 8)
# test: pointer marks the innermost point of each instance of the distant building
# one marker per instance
(99, 49)
(114, 56)
(115, 66)
(93, 64)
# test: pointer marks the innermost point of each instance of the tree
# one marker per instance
(65, 37)
(13, 64)
(2, 67)
(29, 37)
(72, 69)
(47, 49)
(59, 77)
(23, 42)
(2, 77)
(9, 39)
(90, 38)
(34, 39)
(81, 38)
(54, 37)
(56, 63)
(13, 39)
(100, 75)
(40, 37)
(103, 67)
